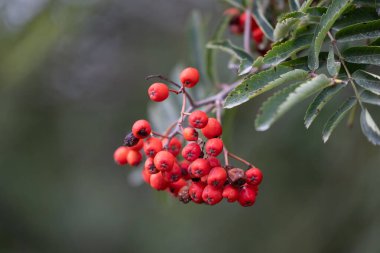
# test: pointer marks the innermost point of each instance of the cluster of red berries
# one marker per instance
(199, 176)
(237, 25)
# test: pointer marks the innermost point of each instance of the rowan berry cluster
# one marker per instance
(184, 160)
(237, 25)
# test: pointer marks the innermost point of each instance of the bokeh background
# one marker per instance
(72, 83)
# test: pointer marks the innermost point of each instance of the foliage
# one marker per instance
(321, 48)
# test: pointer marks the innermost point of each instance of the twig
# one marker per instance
(240, 159)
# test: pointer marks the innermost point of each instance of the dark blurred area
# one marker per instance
(71, 84)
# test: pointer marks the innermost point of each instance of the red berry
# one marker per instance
(230, 193)
(139, 145)
(157, 182)
(152, 146)
(214, 147)
(213, 129)
(217, 177)
(198, 119)
(134, 157)
(199, 168)
(258, 35)
(158, 92)
(176, 186)
(231, 11)
(191, 151)
(190, 134)
(145, 176)
(212, 195)
(149, 166)
(254, 176)
(195, 191)
(242, 19)
(247, 196)
(174, 146)
(189, 77)
(141, 129)
(164, 160)
(204, 179)
(120, 155)
(184, 165)
(213, 161)
(172, 175)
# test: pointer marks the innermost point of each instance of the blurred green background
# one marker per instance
(72, 83)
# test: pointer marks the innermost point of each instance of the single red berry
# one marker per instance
(214, 147)
(212, 195)
(230, 193)
(139, 145)
(134, 157)
(199, 168)
(175, 187)
(195, 191)
(172, 175)
(254, 176)
(157, 182)
(217, 177)
(174, 146)
(247, 196)
(152, 146)
(190, 134)
(158, 92)
(120, 155)
(149, 166)
(213, 129)
(164, 160)
(189, 77)
(213, 161)
(242, 20)
(145, 176)
(184, 165)
(258, 35)
(198, 119)
(141, 129)
(191, 151)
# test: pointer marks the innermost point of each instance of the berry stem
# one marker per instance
(238, 158)
(247, 31)
(159, 135)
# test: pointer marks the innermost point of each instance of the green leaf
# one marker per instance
(306, 4)
(211, 54)
(284, 27)
(363, 55)
(374, 3)
(337, 117)
(294, 5)
(282, 101)
(320, 101)
(293, 14)
(284, 50)
(369, 127)
(367, 80)
(376, 42)
(262, 22)
(370, 98)
(246, 60)
(368, 30)
(336, 8)
(333, 66)
(259, 83)
(355, 16)
(196, 42)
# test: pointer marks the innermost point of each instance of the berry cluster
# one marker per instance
(199, 175)
(237, 25)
